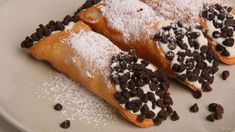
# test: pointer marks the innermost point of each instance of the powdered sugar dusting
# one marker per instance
(132, 18)
(185, 10)
(77, 101)
(96, 51)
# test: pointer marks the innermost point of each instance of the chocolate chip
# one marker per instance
(225, 75)
(229, 16)
(219, 109)
(225, 53)
(117, 95)
(150, 115)
(230, 32)
(219, 48)
(228, 42)
(195, 35)
(171, 46)
(230, 22)
(229, 9)
(27, 43)
(162, 114)
(150, 96)
(206, 87)
(65, 124)
(58, 107)
(204, 13)
(221, 16)
(211, 117)
(144, 98)
(129, 105)
(194, 108)
(123, 79)
(167, 28)
(216, 34)
(164, 86)
(164, 38)
(34, 37)
(157, 36)
(210, 17)
(211, 80)
(153, 86)
(169, 110)
(140, 92)
(174, 116)
(212, 107)
(170, 55)
(141, 118)
(176, 68)
(218, 116)
(46, 31)
(126, 94)
(157, 121)
(122, 100)
(218, 7)
(144, 109)
(168, 100)
(159, 103)
(197, 94)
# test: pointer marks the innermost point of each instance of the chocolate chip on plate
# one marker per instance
(58, 107)
(174, 116)
(197, 94)
(65, 124)
(225, 75)
(211, 117)
(194, 108)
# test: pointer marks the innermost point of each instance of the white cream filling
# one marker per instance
(201, 39)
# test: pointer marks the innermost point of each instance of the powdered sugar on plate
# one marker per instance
(185, 10)
(78, 103)
(130, 17)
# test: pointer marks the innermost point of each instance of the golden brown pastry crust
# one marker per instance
(145, 47)
(54, 51)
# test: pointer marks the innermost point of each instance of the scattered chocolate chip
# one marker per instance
(194, 108)
(65, 124)
(218, 116)
(58, 107)
(174, 116)
(225, 75)
(211, 117)
(197, 94)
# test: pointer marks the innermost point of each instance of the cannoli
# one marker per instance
(133, 86)
(179, 50)
(219, 22)
(187, 11)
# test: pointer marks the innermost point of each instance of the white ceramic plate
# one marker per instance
(21, 76)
